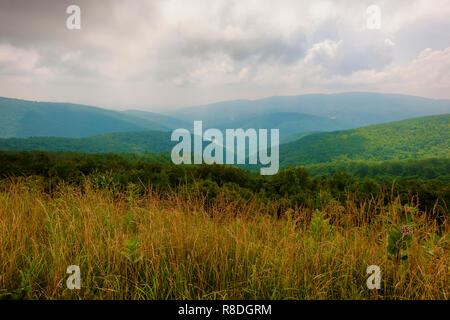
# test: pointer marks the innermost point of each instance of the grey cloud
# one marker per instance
(262, 47)
(353, 58)
(414, 38)
(43, 23)
(139, 52)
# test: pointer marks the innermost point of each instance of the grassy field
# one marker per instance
(173, 246)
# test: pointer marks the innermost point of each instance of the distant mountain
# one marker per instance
(417, 138)
(71, 127)
(167, 121)
(355, 109)
(289, 123)
(127, 142)
(294, 116)
(21, 118)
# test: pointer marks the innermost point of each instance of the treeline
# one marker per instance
(119, 142)
(292, 186)
(427, 169)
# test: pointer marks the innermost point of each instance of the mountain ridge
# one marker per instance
(295, 116)
(24, 118)
(357, 108)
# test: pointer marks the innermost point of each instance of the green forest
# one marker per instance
(417, 138)
(119, 142)
(425, 169)
(293, 185)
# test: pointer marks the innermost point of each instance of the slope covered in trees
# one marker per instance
(417, 138)
(121, 142)
(22, 118)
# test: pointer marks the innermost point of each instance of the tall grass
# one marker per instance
(169, 246)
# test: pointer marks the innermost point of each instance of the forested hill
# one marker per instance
(417, 138)
(22, 118)
(122, 142)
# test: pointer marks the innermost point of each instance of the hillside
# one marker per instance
(21, 118)
(416, 138)
(137, 142)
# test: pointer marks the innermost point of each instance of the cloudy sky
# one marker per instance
(160, 54)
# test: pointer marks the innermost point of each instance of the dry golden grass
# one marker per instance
(170, 247)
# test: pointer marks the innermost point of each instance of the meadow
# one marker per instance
(155, 244)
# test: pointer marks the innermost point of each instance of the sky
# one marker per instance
(158, 55)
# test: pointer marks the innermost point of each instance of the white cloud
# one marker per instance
(415, 77)
(323, 50)
(16, 60)
(389, 42)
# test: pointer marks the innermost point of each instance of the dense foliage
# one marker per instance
(408, 139)
(426, 169)
(292, 186)
(136, 142)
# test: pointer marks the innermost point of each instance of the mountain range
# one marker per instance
(314, 129)
(418, 138)
(295, 116)
(352, 109)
